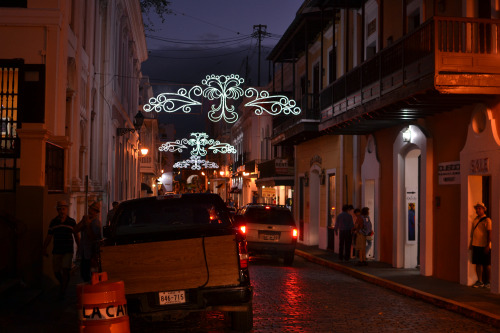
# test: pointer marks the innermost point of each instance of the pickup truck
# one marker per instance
(177, 254)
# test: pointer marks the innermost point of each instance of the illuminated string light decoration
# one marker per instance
(198, 142)
(196, 163)
(223, 88)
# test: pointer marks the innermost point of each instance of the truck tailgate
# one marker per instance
(175, 265)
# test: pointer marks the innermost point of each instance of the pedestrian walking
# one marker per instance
(480, 244)
(360, 234)
(62, 231)
(90, 229)
(344, 225)
(111, 212)
(365, 214)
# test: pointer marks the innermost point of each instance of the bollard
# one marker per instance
(102, 306)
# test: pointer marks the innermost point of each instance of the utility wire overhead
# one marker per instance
(206, 22)
(199, 41)
(200, 57)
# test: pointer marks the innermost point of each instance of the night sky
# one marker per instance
(211, 37)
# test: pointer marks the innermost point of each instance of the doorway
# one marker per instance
(412, 206)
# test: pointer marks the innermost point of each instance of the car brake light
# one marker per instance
(243, 229)
(242, 247)
(295, 233)
(267, 207)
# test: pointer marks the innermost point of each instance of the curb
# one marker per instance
(441, 302)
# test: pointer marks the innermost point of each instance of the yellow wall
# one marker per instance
(328, 148)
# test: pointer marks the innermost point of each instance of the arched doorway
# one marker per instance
(480, 179)
(412, 215)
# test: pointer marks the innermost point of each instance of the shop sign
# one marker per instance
(281, 166)
(481, 165)
(449, 173)
(268, 192)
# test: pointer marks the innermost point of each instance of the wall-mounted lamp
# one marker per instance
(221, 173)
(322, 177)
(144, 151)
(406, 134)
(139, 120)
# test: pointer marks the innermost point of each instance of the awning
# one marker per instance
(235, 190)
(275, 181)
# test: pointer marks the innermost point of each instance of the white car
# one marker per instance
(269, 229)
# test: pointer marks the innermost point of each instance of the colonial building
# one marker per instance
(70, 91)
(407, 125)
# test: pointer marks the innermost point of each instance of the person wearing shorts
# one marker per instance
(62, 231)
(481, 246)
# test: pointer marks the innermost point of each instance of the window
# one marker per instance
(9, 82)
(9, 142)
(332, 65)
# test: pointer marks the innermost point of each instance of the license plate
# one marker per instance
(172, 297)
(271, 237)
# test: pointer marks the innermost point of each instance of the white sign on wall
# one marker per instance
(449, 173)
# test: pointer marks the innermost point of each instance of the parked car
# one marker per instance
(179, 254)
(269, 229)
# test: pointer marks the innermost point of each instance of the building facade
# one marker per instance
(70, 92)
(406, 123)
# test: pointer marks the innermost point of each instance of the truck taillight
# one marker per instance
(243, 229)
(242, 247)
(295, 233)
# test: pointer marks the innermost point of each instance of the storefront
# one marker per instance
(480, 182)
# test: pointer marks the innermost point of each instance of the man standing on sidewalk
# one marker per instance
(90, 228)
(344, 224)
(61, 229)
(481, 246)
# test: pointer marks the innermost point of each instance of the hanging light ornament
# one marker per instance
(198, 142)
(223, 88)
(196, 163)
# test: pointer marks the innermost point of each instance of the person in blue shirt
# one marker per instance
(344, 225)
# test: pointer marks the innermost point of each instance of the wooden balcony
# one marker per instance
(295, 129)
(446, 63)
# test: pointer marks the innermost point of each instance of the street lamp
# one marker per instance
(139, 120)
(144, 151)
(406, 134)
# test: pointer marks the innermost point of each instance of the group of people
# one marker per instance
(354, 226)
(64, 231)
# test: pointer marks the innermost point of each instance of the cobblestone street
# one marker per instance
(303, 298)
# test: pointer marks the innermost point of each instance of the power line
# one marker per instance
(199, 41)
(200, 57)
(206, 22)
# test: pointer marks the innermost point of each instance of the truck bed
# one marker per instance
(176, 264)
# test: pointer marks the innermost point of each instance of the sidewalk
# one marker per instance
(479, 303)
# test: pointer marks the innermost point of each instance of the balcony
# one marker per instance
(276, 172)
(148, 165)
(444, 64)
(292, 129)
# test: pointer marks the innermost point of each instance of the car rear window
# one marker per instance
(269, 216)
(168, 214)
